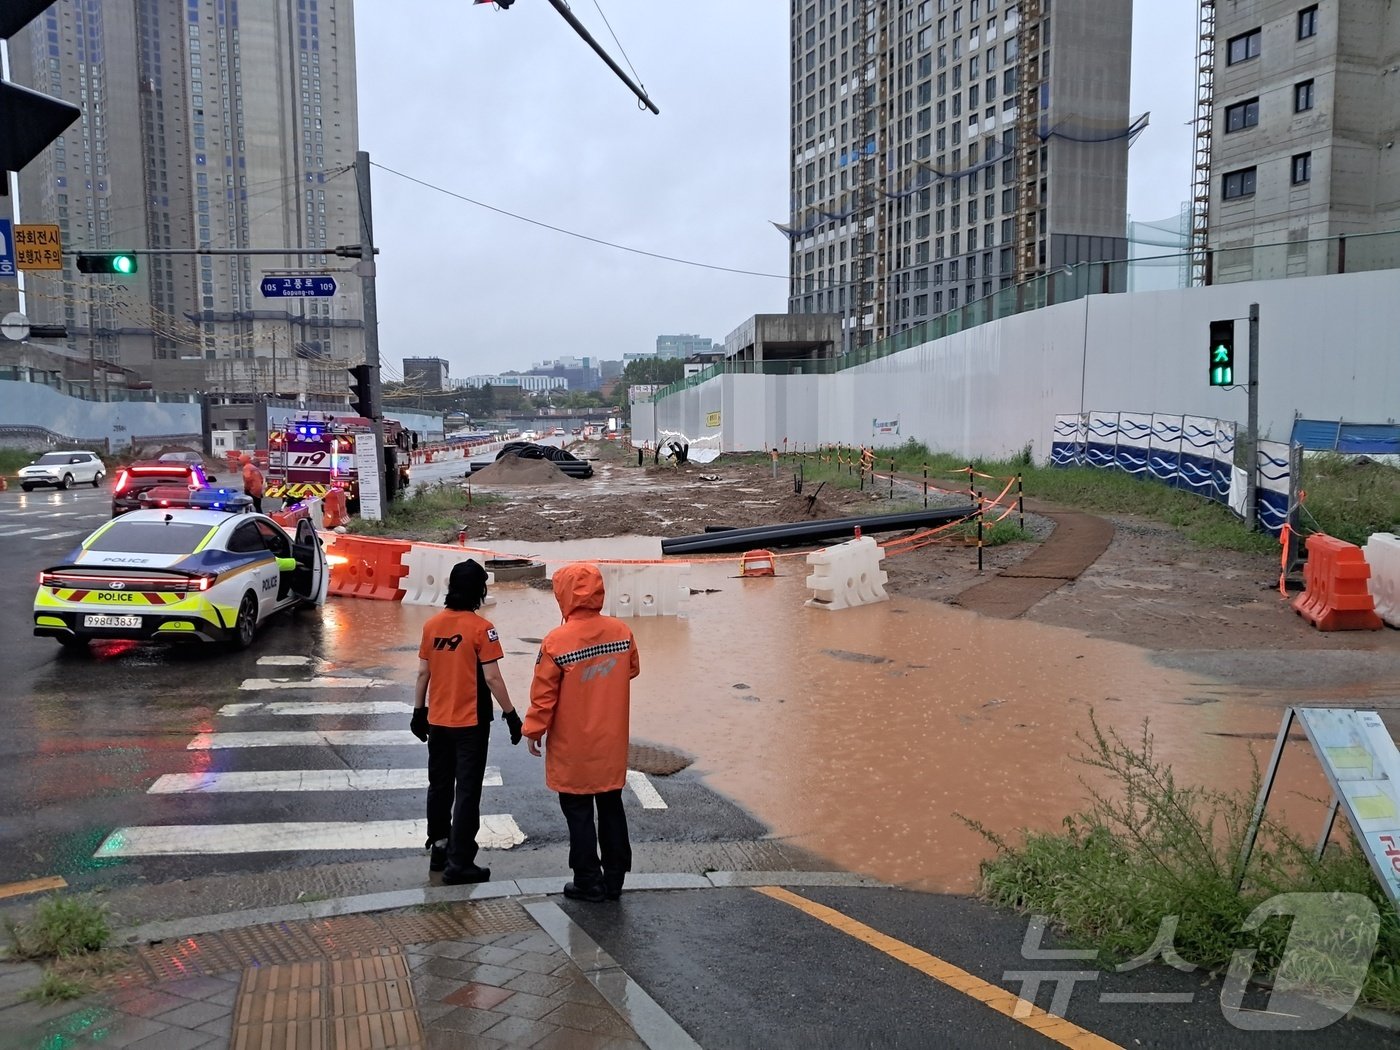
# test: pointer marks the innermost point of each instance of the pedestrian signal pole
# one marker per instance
(1252, 425)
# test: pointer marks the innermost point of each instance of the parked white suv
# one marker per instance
(63, 470)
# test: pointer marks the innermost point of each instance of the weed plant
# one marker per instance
(1147, 847)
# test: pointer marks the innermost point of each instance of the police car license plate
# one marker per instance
(111, 621)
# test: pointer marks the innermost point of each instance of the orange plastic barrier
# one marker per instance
(288, 518)
(337, 510)
(1335, 596)
(757, 563)
(366, 567)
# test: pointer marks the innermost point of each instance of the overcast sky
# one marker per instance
(512, 109)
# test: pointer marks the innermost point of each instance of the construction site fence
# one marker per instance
(1279, 260)
(1194, 454)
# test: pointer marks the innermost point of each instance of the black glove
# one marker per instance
(512, 720)
(419, 725)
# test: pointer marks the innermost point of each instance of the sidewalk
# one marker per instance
(730, 959)
(500, 965)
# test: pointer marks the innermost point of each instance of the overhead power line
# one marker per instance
(575, 233)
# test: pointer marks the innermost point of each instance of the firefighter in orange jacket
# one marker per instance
(579, 705)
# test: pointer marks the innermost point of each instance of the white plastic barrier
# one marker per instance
(847, 575)
(1382, 553)
(430, 568)
(645, 590)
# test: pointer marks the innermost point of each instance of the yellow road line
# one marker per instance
(1009, 1004)
(19, 889)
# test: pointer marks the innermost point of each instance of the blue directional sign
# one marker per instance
(7, 249)
(297, 287)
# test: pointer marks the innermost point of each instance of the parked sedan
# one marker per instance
(63, 470)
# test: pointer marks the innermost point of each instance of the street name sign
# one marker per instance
(297, 287)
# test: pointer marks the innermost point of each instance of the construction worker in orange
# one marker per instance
(252, 481)
(580, 704)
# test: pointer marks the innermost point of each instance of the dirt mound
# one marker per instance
(512, 470)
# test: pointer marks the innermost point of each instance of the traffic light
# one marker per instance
(29, 121)
(121, 263)
(1222, 353)
(360, 399)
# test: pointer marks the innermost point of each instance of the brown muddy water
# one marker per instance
(862, 734)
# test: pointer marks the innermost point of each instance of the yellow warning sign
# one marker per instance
(38, 247)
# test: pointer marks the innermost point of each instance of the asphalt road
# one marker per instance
(145, 764)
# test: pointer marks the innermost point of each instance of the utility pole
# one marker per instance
(1251, 489)
(371, 310)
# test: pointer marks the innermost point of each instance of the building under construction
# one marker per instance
(1296, 167)
(945, 149)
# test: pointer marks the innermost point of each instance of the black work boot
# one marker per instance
(612, 885)
(584, 891)
(461, 876)
(437, 856)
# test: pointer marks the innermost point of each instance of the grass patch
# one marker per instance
(55, 987)
(431, 510)
(62, 927)
(12, 459)
(1351, 499)
(1005, 532)
(1147, 848)
(1107, 491)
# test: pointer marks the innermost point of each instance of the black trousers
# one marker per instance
(456, 767)
(585, 839)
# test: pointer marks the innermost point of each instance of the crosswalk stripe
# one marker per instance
(646, 794)
(57, 535)
(306, 738)
(317, 707)
(285, 661)
(19, 532)
(315, 683)
(303, 780)
(498, 831)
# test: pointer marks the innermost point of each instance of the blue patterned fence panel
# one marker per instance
(1274, 485)
(1070, 437)
(1164, 456)
(1101, 448)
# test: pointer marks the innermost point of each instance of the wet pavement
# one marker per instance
(860, 738)
(767, 964)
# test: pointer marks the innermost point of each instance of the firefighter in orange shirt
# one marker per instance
(252, 482)
(579, 705)
(458, 673)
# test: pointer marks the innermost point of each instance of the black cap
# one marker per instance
(466, 586)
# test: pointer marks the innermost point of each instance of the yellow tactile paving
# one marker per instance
(1009, 1004)
(360, 1002)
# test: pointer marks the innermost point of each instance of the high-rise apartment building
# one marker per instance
(1304, 123)
(945, 149)
(206, 123)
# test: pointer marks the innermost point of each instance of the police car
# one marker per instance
(193, 566)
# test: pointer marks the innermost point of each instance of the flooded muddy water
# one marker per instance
(863, 734)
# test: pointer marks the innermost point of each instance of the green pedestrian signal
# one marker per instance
(1222, 353)
(120, 263)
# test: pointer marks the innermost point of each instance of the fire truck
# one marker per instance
(310, 455)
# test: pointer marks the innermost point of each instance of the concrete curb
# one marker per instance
(153, 932)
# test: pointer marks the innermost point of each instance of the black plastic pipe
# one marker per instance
(798, 534)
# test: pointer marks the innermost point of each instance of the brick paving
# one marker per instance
(478, 991)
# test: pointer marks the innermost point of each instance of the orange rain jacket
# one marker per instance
(252, 479)
(581, 694)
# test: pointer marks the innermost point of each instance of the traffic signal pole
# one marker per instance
(1252, 425)
(371, 313)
